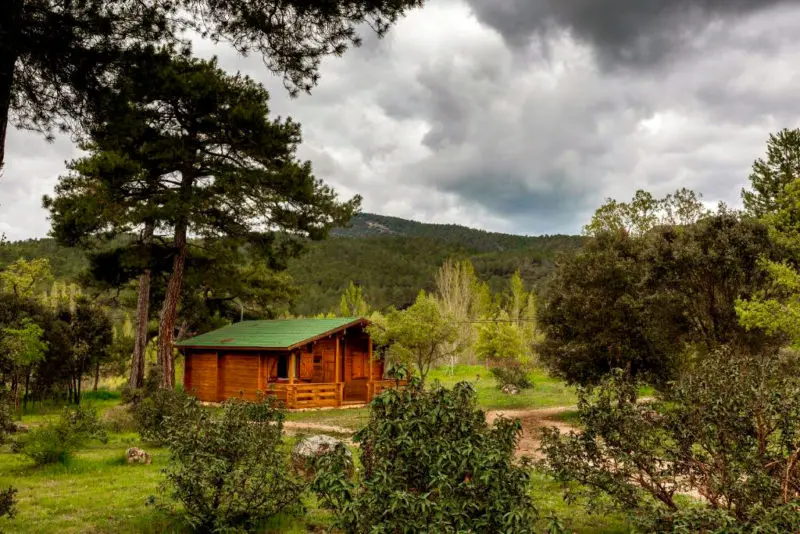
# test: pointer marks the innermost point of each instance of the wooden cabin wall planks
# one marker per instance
(202, 375)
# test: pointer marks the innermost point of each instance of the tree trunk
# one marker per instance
(27, 388)
(142, 316)
(10, 25)
(96, 375)
(169, 311)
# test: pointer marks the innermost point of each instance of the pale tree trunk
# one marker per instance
(142, 315)
(169, 311)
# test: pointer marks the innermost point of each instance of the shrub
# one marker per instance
(515, 375)
(229, 472)
(150, 413)
(729, 430)
(56, 441)
(430, 464)
(7, 502)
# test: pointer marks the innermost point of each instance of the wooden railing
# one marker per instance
(377, 386)
(303, 395)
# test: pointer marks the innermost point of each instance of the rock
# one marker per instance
(308, 450)
(19, 428)
(135, 455)
(510, 389)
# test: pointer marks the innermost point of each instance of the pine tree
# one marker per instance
(56, 55)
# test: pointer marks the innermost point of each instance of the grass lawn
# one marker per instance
(546, 392)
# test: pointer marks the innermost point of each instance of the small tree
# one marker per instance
(353, 303)
(421, 335)
(25, 348)
(431, 463)
(502, 344)
(230, 471)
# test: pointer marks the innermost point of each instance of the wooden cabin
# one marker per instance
(306, 363)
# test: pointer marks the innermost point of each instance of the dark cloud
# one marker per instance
(623, 32)
(443, 122)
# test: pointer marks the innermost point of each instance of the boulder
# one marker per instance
(510, 389)
(135, 455)
(308, 450)
(19, 428)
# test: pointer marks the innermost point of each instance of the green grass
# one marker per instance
(546, 392)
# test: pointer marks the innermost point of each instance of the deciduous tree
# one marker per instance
(422, 335)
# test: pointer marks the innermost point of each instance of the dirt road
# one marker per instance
(532, 423)
(533, 420)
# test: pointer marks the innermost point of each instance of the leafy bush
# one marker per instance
(7, 502)
(151, 412)
(430, 464)
(729, 430)
(56, 441)
(229, 472)
(515, 375)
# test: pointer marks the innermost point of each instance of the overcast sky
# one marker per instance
(521, 115)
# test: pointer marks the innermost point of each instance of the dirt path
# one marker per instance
(533, 420)
(532, 423)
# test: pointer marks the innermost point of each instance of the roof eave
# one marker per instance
(357, 322)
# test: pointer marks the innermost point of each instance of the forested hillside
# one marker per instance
(390, 258)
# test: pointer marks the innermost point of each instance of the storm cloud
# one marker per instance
(638, 33)
(520, 116)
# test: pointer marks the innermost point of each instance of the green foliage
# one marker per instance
(729, 429)
(651, 304)
(391, 267)
(352, 303)
(420, 335)
(55, 442)
(152, 406)
(502, 341)
(770, 176)
(229, 472)
(24, 277)
(7, 502)
(645, 212)
(7, 425)
(514, 374)
(430, 464)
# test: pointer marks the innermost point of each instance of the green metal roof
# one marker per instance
(277, 334)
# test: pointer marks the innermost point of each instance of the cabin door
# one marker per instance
(329, 371)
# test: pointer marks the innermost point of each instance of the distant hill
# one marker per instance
(391, 258)
(372, 225)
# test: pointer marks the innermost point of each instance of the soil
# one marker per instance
(532, 423)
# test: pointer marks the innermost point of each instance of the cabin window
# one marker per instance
(283, 366)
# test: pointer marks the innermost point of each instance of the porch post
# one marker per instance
(337, 375)
(291, 367)
(371, 363)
